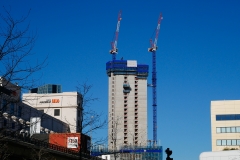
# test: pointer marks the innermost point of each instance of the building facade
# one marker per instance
(65, 106)
(16, 116)
(127, 103)
(225, 124)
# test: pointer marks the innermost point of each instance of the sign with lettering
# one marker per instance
(50, 101)
(55, 100)
(46, 101)
(72, 142)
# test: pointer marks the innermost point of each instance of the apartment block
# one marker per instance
(127, 103)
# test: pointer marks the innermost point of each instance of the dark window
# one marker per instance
(54, 88)
(19, 111)
(41, 110)
(237, 116)
(12, 108)
(4, 106)
(13, 125)
(56, 112)
(5, 122)
(227, 117)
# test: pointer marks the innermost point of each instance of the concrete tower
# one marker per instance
(127, 103)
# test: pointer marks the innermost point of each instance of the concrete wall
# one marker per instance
(127, 112)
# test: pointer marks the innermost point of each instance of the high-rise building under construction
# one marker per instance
(127, 103)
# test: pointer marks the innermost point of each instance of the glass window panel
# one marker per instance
(224, 142)
(237, 117)
(219, 143)
(229, 142)
(223, 130)
(233, 117)
(234, 142)
(218, 130)
(223, 117)
(228, 129)
(233, 129)
(238, 129)
(218, 117)
(238, 142)
(228, 117)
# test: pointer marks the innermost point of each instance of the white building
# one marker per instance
(225, 124)
(220, 155)
(127, 103)
(64, 106)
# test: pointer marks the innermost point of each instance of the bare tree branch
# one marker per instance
(16, 44)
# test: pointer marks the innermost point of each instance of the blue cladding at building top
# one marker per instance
(126, 67)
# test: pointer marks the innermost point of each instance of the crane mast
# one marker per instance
(153, 49)
(114, 49)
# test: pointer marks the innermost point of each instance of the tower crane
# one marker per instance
(114, 49)
(153, 49)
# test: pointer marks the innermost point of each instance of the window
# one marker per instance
(224, 142)
(229, 142)
(4, 122)
(19, 114)
(234, 142)
(12, 108)
(4, 106)
(227, 117)
(228, 129)
(233, 129)
(56, 112)
(13, 125)
(237, 129)
(41, 110)
(219, 142)
(238, 142)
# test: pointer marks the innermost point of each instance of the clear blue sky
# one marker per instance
(197, 60)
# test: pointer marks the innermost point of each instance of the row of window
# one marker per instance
(228, 142)
(227, 117)
(228, 129)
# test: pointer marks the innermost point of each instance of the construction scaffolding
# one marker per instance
(130, 152)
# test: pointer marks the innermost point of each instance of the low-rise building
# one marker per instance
(225, 124)
(15, 115)
(65, 106)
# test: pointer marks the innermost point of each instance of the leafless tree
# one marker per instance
(16, 65)
(91, 121)
(16, 44)
(113, 137)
